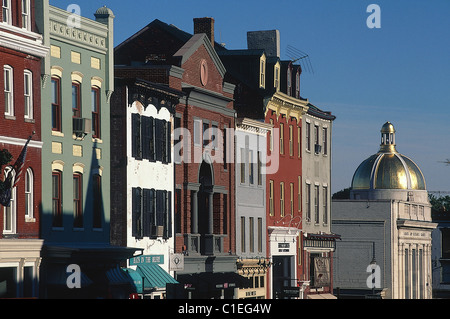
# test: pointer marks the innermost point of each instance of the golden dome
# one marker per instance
(388, 169)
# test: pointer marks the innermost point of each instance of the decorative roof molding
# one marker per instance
(93, 35)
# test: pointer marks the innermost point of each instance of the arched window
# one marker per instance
(56, 104)
(95, 98)
(10, 212)
(78, 200)
(57, 198)
(29, 194)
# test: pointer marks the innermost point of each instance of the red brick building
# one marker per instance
(204, 170)
(21, 51)
(267, 89)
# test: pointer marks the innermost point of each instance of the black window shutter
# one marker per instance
(152, 139)
(145, 133)
(160, 208)
(169, 142)
(168, 217)
(136, 213)
(147, 203)
(159, 139)
(136, 136)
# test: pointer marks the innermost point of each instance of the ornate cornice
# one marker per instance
(287, 105)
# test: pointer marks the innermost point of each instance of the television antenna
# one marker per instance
(296, 55)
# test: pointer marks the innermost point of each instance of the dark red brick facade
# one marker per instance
(15, 129)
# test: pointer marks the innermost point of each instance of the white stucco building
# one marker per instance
(386, 227)
(143, 181)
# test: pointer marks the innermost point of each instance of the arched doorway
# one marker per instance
(205, 199)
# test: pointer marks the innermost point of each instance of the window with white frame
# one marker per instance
(9, 213)
(277, 77)
(26, 14)
(6, 10)
(29, 189)
(28, 94)
(8, 89)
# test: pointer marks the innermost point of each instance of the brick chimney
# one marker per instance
(205, 25)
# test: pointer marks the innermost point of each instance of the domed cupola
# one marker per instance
(387, 170)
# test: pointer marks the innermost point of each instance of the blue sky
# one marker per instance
(398, 73)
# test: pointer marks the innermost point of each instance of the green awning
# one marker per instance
(137, 279)
(148, 277)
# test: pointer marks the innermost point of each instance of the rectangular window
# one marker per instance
(297, 85)
(243, 165)
(57, 199)
(262, 73)
(299, 141)
(252, 234)
(215, 136)
(56, 104)
(77, 200)
(271, 136)
(76, 99)
(98, 202)
(316, 135)
(243, 234)
(250, 167)
(292, 197)
(289, 81)
(271, 208)
(96, 127)
(28, 94)
(308, 202)
(277, 78)
(260, 235)
(407, 283)
(291, 140)
(197, 132)
(26, 14)
(206, 137)
(282, 199)
(259, 169)
(325, 205)
(299, 194)
(325, 141)
(6, 11)
(8, 89)
(316, 204)
(29, 190)
(308, 137)
(225, 146)
(281, 138)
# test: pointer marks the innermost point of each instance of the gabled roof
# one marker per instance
(191, 46)
(172, 29)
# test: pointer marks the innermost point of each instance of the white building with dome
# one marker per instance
(385, 228)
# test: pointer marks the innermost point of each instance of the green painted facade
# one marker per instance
(80, 52)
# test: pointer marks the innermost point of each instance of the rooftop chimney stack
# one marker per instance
(269, 41)
(205, 25)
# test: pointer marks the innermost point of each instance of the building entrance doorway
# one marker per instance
(282, 275)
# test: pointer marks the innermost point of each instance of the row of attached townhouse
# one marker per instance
(182, 169)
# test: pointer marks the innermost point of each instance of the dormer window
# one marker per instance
(262, 72)
(276, 73)
(297, 85)
(289, 81)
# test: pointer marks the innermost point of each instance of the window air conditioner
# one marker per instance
(81, 126)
